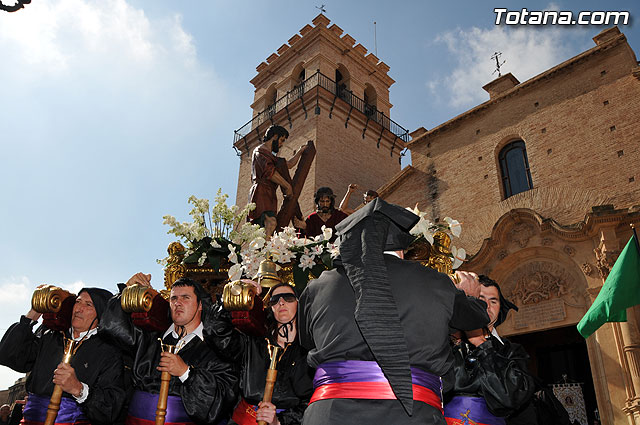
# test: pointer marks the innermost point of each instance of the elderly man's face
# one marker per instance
(84, 313)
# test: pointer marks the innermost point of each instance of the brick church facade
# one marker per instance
(543, 177)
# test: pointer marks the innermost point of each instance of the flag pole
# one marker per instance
(635, 237)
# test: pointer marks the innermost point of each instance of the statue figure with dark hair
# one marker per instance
(202, 388)
(293, 386)
(491, 380)
(325, 215)
(266, 178)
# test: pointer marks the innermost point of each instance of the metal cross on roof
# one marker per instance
(496, 56)
(321, 8)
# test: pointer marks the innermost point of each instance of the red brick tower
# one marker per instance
(324, 87)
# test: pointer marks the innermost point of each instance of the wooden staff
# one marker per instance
(271, 375)
(70, 348)
(165, 378)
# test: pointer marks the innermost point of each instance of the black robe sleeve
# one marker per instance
(210, 390)
(118, 327)
(220, 334)
(501, 371)
(106, 394)
(19, 346)
(469, 313)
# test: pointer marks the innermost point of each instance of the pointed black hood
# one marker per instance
(364, 236)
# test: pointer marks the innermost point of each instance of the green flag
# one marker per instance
(620, 291)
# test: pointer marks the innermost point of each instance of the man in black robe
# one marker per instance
(377, 326)
(92, 382)
(491, 381)
(202, 388)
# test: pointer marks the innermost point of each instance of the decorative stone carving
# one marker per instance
(541, 280)
(521, 234)
(605, 260)
(547, 241)
(587, 269)
(569, 250)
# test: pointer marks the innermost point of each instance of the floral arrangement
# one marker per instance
(425, 228)
(286, 247)
(212, 230)
(222, 233)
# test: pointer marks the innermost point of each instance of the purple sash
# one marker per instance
(369, 371)
(470, 410)
(143, 406)
(36, 410)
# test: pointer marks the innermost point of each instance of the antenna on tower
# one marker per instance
(321, 8)
(375, 37)
(496, 56)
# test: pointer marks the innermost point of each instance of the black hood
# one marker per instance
(364, 236)
(99, 297)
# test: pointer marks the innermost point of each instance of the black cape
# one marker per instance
(428, 305)
(210, 390)
(294, 383)
(96, 363)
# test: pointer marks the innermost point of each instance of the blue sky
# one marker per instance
(115, 112)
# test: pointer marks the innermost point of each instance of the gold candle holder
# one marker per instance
(70, 348)
(272, 373)
(165, 378)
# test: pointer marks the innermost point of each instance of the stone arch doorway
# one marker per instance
(553, 272)
(559, 353)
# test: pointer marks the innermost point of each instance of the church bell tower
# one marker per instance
(323, 86)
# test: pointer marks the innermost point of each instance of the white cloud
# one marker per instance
(527, 51)
(15, 290)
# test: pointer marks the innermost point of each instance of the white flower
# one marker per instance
(454, 226)
(429, 237)
(215, 244)
(233, 257)
(257, 243)
(317, 250)
(202, 259)
(317, 238)
(327, 232)
(235, 272)
(459, 255)
(285, 256)
(306, 262)
(334, 249)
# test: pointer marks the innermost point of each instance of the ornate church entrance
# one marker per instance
(557, 353)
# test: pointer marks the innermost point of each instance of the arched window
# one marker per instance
(271, 96)
(514, 167)
(342, 83)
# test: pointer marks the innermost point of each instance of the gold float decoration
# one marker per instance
(440, 253)
(49, 298)
(137, 298)
(238, 296)
(267, 275)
